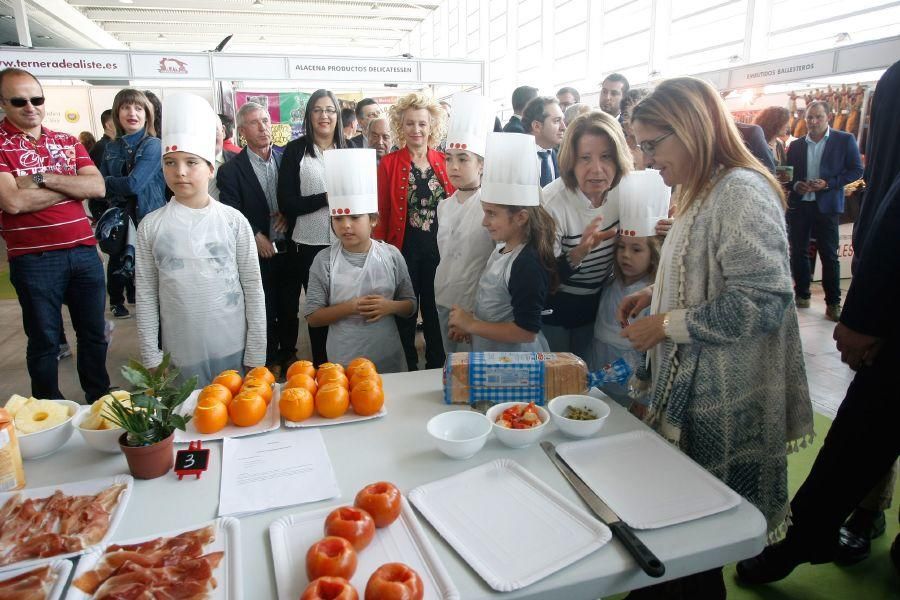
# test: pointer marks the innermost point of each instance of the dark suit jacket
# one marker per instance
(356, 142)
(514, 125)
(755, 140)
(840, 165)
(239, 187)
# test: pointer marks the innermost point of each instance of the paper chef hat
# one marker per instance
(189, 125)
(512, 173)
(470, 123)
(643, 199)
(351, 181)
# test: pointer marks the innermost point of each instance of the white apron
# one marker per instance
(493, 303)
(201, 301)
(352, 336)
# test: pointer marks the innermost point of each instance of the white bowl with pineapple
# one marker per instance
(94, 425)
(42, 426)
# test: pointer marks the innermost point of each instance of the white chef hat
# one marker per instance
(189, 125)
(470, 123)
(511, 171)
(643, 199)
(351, 181)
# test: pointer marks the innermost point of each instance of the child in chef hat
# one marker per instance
(359, 284)
(643, 199)
(197, 273)
(464, 245)
(521, 271)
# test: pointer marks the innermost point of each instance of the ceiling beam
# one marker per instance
(119, 30)
(67, 22)
(336, 7)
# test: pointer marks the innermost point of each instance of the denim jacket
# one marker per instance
(145, 181)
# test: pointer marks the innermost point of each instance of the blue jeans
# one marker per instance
(45, 280)
(804, 220)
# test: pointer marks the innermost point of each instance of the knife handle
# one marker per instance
(651, 565)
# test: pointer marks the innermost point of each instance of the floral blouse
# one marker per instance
(425, 191)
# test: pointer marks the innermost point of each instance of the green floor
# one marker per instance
(872, 579)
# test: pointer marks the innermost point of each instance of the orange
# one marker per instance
(364, 372)
(301, 366)
(367, 397)
(230, 379)
(259, 386)
(210, 416)
(262, 373)
(332, 400)
(247, 409)
(296, 404)
(302, 380)
(357, 362)
(332, 375)
(216, 391)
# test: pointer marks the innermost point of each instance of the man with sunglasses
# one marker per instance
(44, 175)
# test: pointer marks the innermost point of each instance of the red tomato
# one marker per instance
(331, 556)
(353, 524)
(381, 500)
(394, 581)
(329, 588)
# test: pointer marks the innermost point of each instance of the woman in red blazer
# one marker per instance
(411, 183)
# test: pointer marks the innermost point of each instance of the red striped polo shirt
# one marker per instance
(63, 225)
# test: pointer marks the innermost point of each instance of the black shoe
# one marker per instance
(773, 564)
(855, 538)
(120, 312)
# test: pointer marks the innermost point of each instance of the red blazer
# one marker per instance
(393, 180)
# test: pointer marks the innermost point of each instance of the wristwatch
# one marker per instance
(38, 179)
(666, 325)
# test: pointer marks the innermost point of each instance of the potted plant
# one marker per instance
(150, 420)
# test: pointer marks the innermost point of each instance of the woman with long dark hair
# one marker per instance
(302, 198)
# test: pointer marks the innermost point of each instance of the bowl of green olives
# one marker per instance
(577, 415)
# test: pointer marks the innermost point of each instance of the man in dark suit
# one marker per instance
(249, 183)
(521, 96)
(544, 120)
(755, 140)
(824, 162)
(366, 110)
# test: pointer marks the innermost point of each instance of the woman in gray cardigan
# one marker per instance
(726, 374)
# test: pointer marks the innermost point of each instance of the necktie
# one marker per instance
(546, 167)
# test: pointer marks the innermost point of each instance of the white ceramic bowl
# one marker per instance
(104, 440)
(42, 443)
(517, 438)
(573, 427)
(459, 433)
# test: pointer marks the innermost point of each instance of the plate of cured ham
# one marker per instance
(60, 521)
(195, 562)
(45, 582)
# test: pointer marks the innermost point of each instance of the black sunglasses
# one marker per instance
(21, 102)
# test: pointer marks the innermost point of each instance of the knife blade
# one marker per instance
(648, 561)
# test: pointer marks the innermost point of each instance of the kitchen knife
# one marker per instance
(651, 565)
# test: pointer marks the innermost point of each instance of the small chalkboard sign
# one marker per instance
(192, 461)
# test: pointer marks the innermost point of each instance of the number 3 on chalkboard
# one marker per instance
(192, 461)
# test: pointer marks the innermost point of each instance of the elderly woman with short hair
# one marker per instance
(592, 161)
(411, 183)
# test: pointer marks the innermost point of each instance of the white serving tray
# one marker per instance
(60, 569)
(270, 422)
(227, 574)
(348, 417)
(402, 541)
(77, 488)
(511, 527)
(648, 482)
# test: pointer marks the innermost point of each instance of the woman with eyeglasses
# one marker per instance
(411, 183)
(302, 197)
(726, 381)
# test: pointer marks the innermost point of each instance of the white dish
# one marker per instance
(647, 481)
(78, 488)
(270, 422)
(104, 440)
(459, 433)
(517, 438)
(402, 541)
(60, 570)
(227, 574)
(348, 417)
(574, 427)
(46, 442)
(529, 531)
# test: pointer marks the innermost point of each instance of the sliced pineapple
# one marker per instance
(40, 415)
(16, 402)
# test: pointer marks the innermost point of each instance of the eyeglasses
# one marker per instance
(21, 102)
(326, 111)
(649, 147)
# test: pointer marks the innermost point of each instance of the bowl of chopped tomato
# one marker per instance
(518, 424)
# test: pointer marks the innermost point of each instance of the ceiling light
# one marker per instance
(44, 37)
(841, 38)
(734, 58)
(257, 4)
(7, 17)
(262, 38)
(374, 6)
(126, 1)
(161, 37)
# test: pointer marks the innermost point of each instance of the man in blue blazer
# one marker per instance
(824, 162)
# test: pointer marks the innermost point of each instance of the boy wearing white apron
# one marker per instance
(359, 281)
(197, 280)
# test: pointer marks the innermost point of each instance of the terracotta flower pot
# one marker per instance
(149, 462)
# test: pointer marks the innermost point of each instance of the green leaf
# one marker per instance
(179, 421)
(137, 376)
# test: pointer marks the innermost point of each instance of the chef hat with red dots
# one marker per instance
(470, 123)
(351, 181)
(189, 125)
(642, 199)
